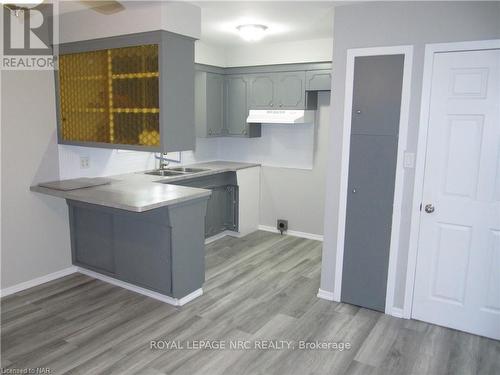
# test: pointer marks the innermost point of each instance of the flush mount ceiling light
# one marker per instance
(252, 32)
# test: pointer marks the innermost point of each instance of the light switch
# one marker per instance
(409, 160)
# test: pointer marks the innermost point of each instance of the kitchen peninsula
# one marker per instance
(145, 230)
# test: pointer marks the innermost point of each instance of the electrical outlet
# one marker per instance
(282, 225)
(84, 162)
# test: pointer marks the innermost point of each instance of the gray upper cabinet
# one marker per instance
(131, 91)
(223, 96)
(283, 90)
(291, 90)
(319, 80)
(209, 104)
(236, 90)
(263, 90)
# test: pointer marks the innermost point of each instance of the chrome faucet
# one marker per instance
(164, 161)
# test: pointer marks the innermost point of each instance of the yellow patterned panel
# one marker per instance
(83, 97)
(111, 96)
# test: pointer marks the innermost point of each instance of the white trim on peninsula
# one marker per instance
(160, 297)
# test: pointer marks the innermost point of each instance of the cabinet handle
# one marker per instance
(272, 104)
(281, 104)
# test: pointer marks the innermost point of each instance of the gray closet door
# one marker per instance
(372, 168)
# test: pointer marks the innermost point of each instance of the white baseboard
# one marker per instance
(323, 294)
(38, 281)
(396, 312)
(294, 233)
(221, 235)
(143, 291)
(191, 296)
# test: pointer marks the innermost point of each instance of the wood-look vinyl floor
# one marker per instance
(260, 287)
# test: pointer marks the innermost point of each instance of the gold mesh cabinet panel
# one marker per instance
(111, 96)
(84, 97)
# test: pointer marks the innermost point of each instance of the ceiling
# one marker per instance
(67, 6)
(286, 20)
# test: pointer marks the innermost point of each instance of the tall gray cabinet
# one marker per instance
(372, 169)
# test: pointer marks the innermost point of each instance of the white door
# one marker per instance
(458, 267)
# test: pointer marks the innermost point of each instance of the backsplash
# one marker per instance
(106, 162)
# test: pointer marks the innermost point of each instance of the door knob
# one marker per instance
(429, 208)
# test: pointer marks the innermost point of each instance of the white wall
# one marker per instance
(208, 54)
(287, 146)
(35, 232)
(298, 194)
(385, 24)
(280, 53)
(264, 53)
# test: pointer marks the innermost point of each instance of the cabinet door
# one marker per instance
(110, 96)
(319, 80)
(92, 244)
(236, 105)
(84, 96)
(291, 90)
(215, 104)
(262, 91)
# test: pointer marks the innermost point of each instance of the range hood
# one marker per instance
(280, 116)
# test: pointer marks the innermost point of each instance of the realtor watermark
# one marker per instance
(249, 345)
(29, 37)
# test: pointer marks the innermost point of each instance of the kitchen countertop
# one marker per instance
(140, 192)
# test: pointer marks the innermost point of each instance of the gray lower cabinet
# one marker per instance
(161, 249)
(222, 206)
(209, 104)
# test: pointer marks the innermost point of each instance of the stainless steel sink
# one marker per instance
(177, 171)
(164, 173)
(187, 170)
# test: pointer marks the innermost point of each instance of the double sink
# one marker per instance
(177, 171)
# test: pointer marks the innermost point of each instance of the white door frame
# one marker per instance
(407, 51)
(430, 51)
